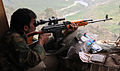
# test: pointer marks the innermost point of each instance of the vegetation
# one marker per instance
(99, 11)
(95, 10)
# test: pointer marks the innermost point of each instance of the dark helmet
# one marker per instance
(20, 18)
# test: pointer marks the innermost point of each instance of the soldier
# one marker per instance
(15, 54)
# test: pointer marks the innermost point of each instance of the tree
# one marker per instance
(49, 12)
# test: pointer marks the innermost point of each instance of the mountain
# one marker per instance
(98, 9)
(38, 5)
(74, 10)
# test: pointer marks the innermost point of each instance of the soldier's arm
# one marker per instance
(26, 56)
(69, 31)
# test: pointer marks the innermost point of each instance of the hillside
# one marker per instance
(38, 5)
(74, 10)
(101, 32)
(98, 10)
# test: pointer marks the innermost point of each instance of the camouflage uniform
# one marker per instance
(16, 55)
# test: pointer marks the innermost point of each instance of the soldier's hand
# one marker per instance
(74, 26)
(43, 38)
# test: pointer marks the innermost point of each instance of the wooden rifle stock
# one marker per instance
(30, 36)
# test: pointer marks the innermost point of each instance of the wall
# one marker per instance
(3, 20)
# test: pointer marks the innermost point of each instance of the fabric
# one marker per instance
(85, 57)
(16, 55)
(40, 67)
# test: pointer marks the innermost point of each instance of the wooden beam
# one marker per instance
(3, 20)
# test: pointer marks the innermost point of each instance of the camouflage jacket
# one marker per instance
(16, 55)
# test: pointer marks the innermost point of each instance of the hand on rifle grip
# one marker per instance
(43, 38)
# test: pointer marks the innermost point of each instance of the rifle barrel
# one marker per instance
(100, 20)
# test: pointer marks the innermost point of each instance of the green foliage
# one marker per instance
(98, 11)
(110, 7)
(114, 28)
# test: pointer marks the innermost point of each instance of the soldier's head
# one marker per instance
(22, 20)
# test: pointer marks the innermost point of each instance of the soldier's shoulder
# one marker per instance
(17, 37)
